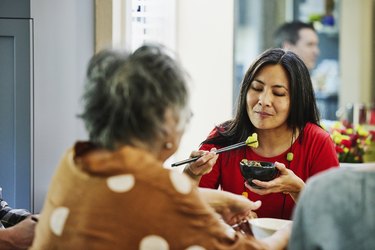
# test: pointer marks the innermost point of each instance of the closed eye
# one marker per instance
(279, 94)
(257, 89)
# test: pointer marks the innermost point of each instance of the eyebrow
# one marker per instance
(273, 86)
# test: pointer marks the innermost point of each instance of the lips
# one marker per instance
(263, 113)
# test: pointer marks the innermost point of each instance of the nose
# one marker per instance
(317, 51)
(265, 98)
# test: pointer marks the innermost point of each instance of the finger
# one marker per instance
(262, 184)
(255, 205)
(267, 184)
(213, 150)
(255, 190)
(252, 215)
(281, 167)
(207, 161)
(197, 153)
(247, 205)
(247, 185)
(259, 191)
(206, 157)
(202, 165)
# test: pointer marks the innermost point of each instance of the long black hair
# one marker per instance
(303, 107)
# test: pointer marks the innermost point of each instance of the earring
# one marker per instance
(168, 145)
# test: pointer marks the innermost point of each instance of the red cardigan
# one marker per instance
(316, 153)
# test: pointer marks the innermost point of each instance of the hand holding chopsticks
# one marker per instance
(251, 141)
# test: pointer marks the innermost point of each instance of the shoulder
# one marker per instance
(327, 178)
(214, 132)
(313, 130)
(328, 184)
(315, 137)
(219, 129)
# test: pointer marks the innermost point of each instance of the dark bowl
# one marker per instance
(259, 170)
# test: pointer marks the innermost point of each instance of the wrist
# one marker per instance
(7, 239)
(299, 188)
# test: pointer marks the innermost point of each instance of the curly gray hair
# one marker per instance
(126, 96)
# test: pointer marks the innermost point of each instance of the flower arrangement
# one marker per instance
(351, 141)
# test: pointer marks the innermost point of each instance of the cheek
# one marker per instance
(283, 106)
(251, 100)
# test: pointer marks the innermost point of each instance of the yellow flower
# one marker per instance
(349, 131)
(361, 131)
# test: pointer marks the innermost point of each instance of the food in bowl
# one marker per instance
(259, 170)
(264, 227)
(251, 163)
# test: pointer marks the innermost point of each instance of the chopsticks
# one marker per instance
(221, 150)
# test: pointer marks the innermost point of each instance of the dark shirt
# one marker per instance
(9, 216)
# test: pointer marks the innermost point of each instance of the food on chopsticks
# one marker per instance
(251, 141)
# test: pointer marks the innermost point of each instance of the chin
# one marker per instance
(264, 124)
(260, 125)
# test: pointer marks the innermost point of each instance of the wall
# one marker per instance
(205, 45)
(16, 103)
(356, 51)
(103, 24)
(63, 44)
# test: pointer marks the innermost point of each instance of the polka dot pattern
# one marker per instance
(121, 183)
(153, 242)
(57, 220)
(195, 248)
(180, 182)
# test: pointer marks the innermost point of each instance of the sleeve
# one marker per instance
(211, 179)
(325, 156)
(9, 216)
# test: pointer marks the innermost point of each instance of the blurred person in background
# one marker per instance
(16, 227)
(300, 38)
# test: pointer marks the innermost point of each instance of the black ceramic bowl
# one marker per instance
(259, 170)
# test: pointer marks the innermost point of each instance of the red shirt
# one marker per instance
(316, 153)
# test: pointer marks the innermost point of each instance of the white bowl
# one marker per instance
(264, 227)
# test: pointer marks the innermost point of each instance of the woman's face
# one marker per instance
(268, 99)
